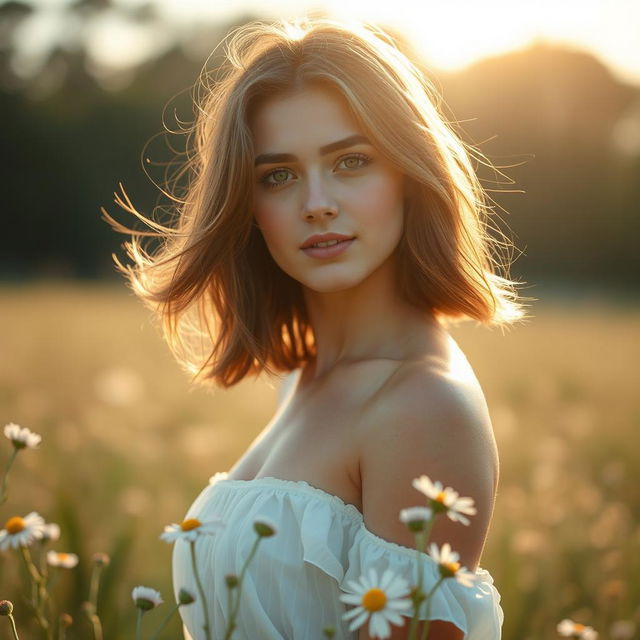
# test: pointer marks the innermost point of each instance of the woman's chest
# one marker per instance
(323, 451)
(316, 436)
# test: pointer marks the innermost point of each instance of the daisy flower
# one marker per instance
(146, 598)
(570, 629)
(64, 560)
(21, 532)
(21, 437)
(416, 518)
(445, 500)
(449, 566)
(380, 600)
(50, 532)
(190, 529)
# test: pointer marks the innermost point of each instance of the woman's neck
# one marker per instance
(369, 321)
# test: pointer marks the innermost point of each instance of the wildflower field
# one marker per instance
(127, 444)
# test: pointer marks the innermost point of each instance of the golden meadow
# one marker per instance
(127, 445)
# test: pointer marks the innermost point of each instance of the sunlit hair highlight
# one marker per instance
(227, 309)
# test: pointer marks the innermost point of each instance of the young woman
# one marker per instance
(332, 230)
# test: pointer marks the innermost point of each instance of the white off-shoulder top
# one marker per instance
(292, 586)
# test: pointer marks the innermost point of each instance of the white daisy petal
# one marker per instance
(395, 618)
(351, 598)
(352, 613)
(456, 517)
(400, 605)
(378, 626)
(386, 580)
(353, 585)
(359, 621)
(398, 589)
(373, 578)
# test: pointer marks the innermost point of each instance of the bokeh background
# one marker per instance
(92, 93)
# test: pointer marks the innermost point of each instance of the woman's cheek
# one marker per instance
(273, 226)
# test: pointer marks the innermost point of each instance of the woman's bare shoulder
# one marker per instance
(433, 388)
(428, 420)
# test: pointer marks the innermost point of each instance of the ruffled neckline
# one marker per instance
(294, 486)
(304, 488)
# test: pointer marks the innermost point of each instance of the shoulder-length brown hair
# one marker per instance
(227, 309)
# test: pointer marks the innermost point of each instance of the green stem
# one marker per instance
(41, 595)
(96, 626)
(33, 574)
(139, 625)
(156, 635)
(5, 479)
(422, 537)
(427, 622)
(420, 542)
(94, 585)
(93, 601)
(234, 613)
(205, 609)
(13, 627)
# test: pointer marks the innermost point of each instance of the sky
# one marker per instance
(450, 34)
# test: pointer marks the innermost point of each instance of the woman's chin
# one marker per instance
(330, 285)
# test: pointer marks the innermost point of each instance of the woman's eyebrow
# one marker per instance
(349, 141)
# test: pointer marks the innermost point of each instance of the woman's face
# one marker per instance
(316, 174)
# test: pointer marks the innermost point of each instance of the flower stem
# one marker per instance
(39, 592)
(413, 629)
(139, 625)
(94, 584)
(93, 602)
(14, 631)
(422, 537)
(234, 613)
(206, 626)
(427, 622)
(156, 635)
(96, 625)
(5, 479)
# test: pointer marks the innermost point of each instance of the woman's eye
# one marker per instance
(356, 161)
(276, 177)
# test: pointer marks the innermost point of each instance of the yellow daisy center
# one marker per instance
(450, 568)
(62, 556)
(190, 524)
(578, 627)
(374, 600)
(440, 497)
(15, 525)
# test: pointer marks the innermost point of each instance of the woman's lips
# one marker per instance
(330, 251)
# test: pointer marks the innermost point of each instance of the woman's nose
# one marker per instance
(319, 202)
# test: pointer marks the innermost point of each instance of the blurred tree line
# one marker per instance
(565, 131)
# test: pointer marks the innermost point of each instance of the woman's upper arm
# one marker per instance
(428, 424)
